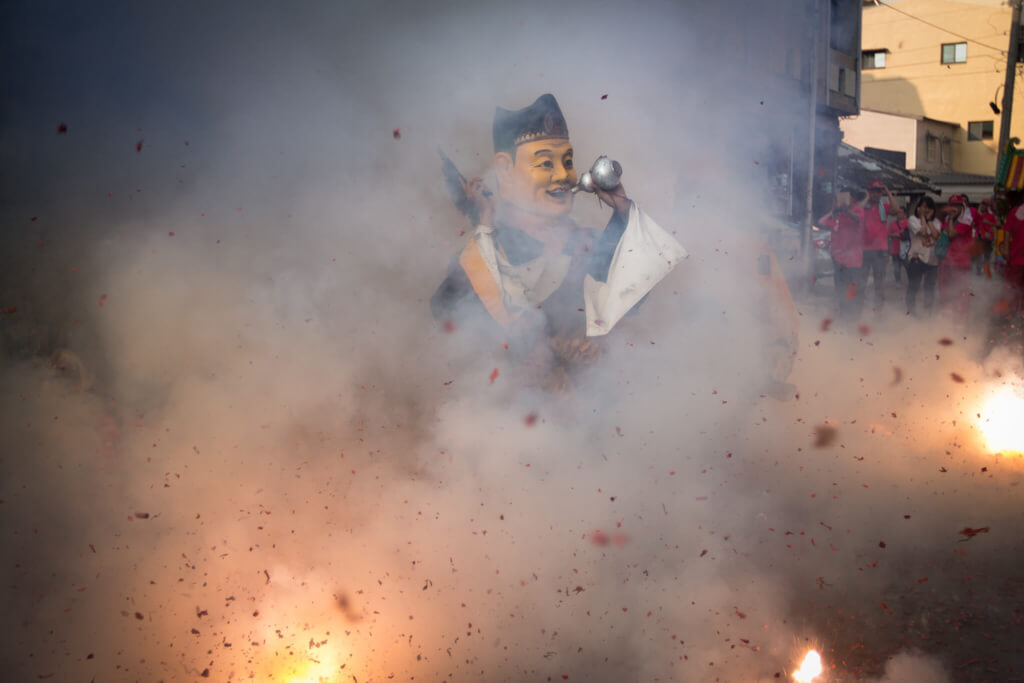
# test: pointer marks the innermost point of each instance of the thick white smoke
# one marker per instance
(236, 446)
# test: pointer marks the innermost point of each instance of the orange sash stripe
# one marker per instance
(483, 283)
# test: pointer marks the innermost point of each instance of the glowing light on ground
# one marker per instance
(1001, 420)
(809, 669)
(316, 665)
(310, 671)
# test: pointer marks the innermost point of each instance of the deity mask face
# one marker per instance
(539, 178)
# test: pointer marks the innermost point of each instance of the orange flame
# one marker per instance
(1000, 421)
(810, 669)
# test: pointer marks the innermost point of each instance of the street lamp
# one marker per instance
(995, 98)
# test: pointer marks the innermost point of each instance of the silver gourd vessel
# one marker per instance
(605, 173)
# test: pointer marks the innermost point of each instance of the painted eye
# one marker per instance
(568, 163)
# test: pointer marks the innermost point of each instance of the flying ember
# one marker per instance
(809, 669)
(1000, 420)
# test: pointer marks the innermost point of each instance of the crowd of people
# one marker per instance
(938, 247)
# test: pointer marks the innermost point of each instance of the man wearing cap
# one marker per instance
(955, 267)
(879, 222)
(846, 221)
(529, 275)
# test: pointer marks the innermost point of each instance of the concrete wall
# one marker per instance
(886, 131)
(915, 82)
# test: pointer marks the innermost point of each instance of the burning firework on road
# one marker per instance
(1001, 419)
(810, 668)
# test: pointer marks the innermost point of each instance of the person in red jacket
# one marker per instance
(895, 228)
(846, 221)
(878, 218)
(1013, 231)
(985, 229)
(955, 267)
(1005, 323)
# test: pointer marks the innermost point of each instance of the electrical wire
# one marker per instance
(941, 28)
(922, 78)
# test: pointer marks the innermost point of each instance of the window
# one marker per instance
(979, 130)
(873, 59)
(954, 53)
(933, 148)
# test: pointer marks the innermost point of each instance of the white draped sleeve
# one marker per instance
(646, 253)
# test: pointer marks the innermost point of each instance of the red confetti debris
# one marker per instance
(824, 435)
(703, 552)
(186, 143)
(103, 301)
(170, 234)
(599, 538)
(740, 614)
(138, 146)
(906, 516)
(923, 580)
(971, 533)
(397, 134)
(494, 375)
(943, 469)
(33, 219)
(955, 377)
(897, 376)
(851, 290)
(62, 128)
(448, 325)
(865, 330)
(881, 544)
(757, 163)
(825, 324)
(142, 515)
(530, 419)
(9, 309)
(946, 341)
(604, 97)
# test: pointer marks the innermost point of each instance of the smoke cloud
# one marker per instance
(235, 445)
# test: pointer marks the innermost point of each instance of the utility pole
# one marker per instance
(1012, 54)
(808, 218)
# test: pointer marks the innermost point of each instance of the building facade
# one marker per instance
(932, 81)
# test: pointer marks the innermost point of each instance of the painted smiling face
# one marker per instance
(539, 178)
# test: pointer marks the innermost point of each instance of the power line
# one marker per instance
(921, 78)
(941, 28)
(893, 65)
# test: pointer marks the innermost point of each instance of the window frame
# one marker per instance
(873, 55)
(986, 132)
(942, 53)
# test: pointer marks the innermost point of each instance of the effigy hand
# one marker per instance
(480, 199)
